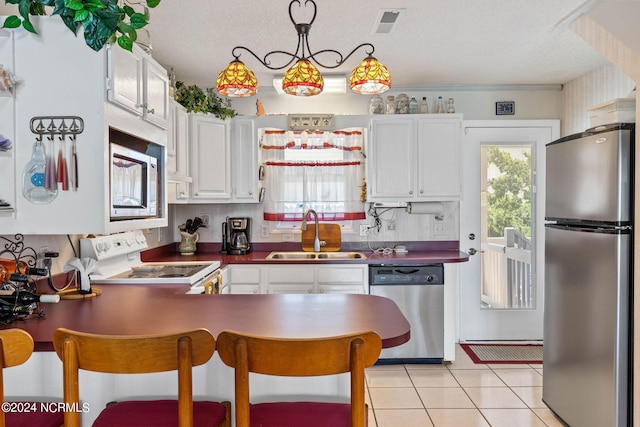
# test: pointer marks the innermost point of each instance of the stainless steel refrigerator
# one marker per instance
(588, 277)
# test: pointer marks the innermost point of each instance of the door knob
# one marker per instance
(472, 251)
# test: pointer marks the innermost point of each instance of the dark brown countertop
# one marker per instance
(419, 253)
(151, 309)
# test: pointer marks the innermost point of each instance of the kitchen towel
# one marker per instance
(84, 266)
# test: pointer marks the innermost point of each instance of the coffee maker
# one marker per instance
(237, 236)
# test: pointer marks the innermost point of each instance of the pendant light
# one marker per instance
(302, 78)
(370, 77)
(237, 80)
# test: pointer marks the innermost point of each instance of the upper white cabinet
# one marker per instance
(139, 84)
(224, 160)
(414, 158)
(244, 161)
(210, 155)
(59, 75)
(178, 177)
(155, 93)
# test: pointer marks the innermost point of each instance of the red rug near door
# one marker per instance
(504, 353)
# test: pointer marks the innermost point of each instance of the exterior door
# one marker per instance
(502, 226)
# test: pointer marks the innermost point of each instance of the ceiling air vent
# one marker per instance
(386, 20)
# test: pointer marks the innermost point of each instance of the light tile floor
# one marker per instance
(457, 394)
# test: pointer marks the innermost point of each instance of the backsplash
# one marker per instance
(396, 224)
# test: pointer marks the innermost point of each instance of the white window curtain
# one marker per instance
(323, 171)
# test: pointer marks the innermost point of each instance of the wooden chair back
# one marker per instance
(132, 354)
(297, 358)
(16, 347)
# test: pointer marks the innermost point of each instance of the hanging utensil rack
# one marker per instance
(56, 125)
(61, 126)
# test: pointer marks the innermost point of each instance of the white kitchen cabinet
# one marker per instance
(178, 177)
(210, 158)
(290, 279)
(344, 279)
(244, 161)
(73, 84)
(296, 279)
(138, 84)
(245, 279)
(415, 158)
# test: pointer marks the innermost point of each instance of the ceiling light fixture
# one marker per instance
(303, 78)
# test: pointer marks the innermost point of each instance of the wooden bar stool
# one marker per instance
(16, 346)
(137, 355)
(299, 358)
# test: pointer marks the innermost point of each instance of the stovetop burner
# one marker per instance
(119, 262)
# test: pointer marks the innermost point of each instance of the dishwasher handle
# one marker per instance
(407, 271)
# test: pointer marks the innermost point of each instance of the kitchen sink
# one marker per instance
(311, 256)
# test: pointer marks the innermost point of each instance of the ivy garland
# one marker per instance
(104, 21)
(195, 100)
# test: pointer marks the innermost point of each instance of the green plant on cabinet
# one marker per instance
(103, 21)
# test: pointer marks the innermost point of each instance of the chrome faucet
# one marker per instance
(316, 242)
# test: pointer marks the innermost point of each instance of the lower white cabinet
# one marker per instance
(245, 279)
(299, 279)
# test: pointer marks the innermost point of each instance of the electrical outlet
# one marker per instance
(205, 219)
(438, 227)
(391, 225)
(287, 237)
(364, 229)
(264, 230)
(40, 262)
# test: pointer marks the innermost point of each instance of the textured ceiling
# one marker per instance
(436, 42)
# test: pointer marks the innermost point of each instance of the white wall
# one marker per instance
(601, 85)
(474, 102)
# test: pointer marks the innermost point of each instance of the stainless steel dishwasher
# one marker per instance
(418, 290)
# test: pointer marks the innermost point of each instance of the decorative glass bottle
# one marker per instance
(391, 105)
(376, 105)
(439, 106)
(413, 105)
(402, 104)
(33, 177)
(423, 106)
(450, 108)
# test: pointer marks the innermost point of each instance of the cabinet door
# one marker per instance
(156, 94)
(391, 170)
(210, 158)
(344, 279)
(439, 170)
(181, 138)
(125, 78)
(170, 153)
(244, 161)
(288, 279)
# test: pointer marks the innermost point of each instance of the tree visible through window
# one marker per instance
(509, 190)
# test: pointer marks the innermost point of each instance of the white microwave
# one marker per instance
(134, 184)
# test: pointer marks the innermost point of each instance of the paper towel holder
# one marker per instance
(428, 208)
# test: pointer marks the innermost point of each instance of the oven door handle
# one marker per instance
(214, 285)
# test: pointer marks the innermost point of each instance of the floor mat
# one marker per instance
(504, 353)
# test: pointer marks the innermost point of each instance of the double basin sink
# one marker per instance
(315, 256)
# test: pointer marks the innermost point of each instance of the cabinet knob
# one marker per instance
(251, 193)
(255, 291)
(421, 191)
(152, 111)
(411, 192)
